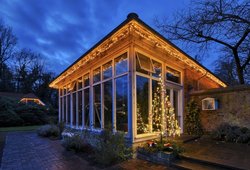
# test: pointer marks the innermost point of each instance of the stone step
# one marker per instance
(189, 165)
(194, 163)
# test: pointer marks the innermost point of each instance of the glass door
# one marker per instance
(174, 93)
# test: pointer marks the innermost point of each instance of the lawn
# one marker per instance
(19, 128)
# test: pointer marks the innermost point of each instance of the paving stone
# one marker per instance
(27, 151)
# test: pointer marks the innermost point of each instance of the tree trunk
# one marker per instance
(239, 69)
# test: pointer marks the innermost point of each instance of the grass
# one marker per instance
(19, 128)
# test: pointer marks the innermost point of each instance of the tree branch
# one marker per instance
(209, 38)
(242, 38)
(246, 62)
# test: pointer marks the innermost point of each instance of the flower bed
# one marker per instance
(161, 153)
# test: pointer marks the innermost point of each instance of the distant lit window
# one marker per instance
(173, 75)
(121, 64)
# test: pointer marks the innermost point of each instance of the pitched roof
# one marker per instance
(130, 17)
(30, 95)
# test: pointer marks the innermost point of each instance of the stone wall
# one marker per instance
(234, 106)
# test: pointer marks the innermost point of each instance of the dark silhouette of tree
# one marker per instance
(211, 23)
(28, 70)
(7, 44)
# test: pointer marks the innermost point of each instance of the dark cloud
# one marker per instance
(63, 30)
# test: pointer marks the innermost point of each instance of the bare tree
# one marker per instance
(28, 69)
(7, 43)
(215, 22)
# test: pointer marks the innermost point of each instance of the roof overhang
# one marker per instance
(135, 26)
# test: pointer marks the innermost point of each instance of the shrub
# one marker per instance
(230, 133)
(192, 119)
(111, 148)
(9, 118)
(76, 143)
(48, 131)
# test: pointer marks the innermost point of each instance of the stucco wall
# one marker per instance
(234, 106)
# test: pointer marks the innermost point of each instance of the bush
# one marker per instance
(192, 119)
(111, 148)
(76, 143)
(228, 133)
(49, 131)
(9, 118)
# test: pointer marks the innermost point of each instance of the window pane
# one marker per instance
(64, 90)
(97, 75)
(145, 63)
(80, 108)
(64, 108)
(157, 68)
(107, 70)
(122, 104)
(173, 75)
(108, 104)
(176, 104)
(68, 109)
(138, 67)
(86, 107)
(86, 80)
(142, 86)
(74, 109)
(97, 106)
(61, 108)
(121, 64)
(79, 83)
(156, 106)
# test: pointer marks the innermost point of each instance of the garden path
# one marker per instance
(27, 151)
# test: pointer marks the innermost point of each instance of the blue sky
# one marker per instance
(63, 30)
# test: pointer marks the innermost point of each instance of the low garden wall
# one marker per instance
(233, 107)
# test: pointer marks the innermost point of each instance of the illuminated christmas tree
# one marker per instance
(163, 114)
(141, 126)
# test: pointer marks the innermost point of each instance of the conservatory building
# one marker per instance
(115, 84)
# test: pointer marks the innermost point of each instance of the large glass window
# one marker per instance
(121, 64)
(79, 108)
(156, 106)
(97, 75)
(97, 106)
(148, 94)
(142, 92)
(107, 90)
(64, 109)
(86, 107)
(61, 109)
(107, 70)
(74, 109)
(122, 104)
(68, 109)
(173, 75)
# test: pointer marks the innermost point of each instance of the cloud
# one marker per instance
(63, 30)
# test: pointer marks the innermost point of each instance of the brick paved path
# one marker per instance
(27, 151)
